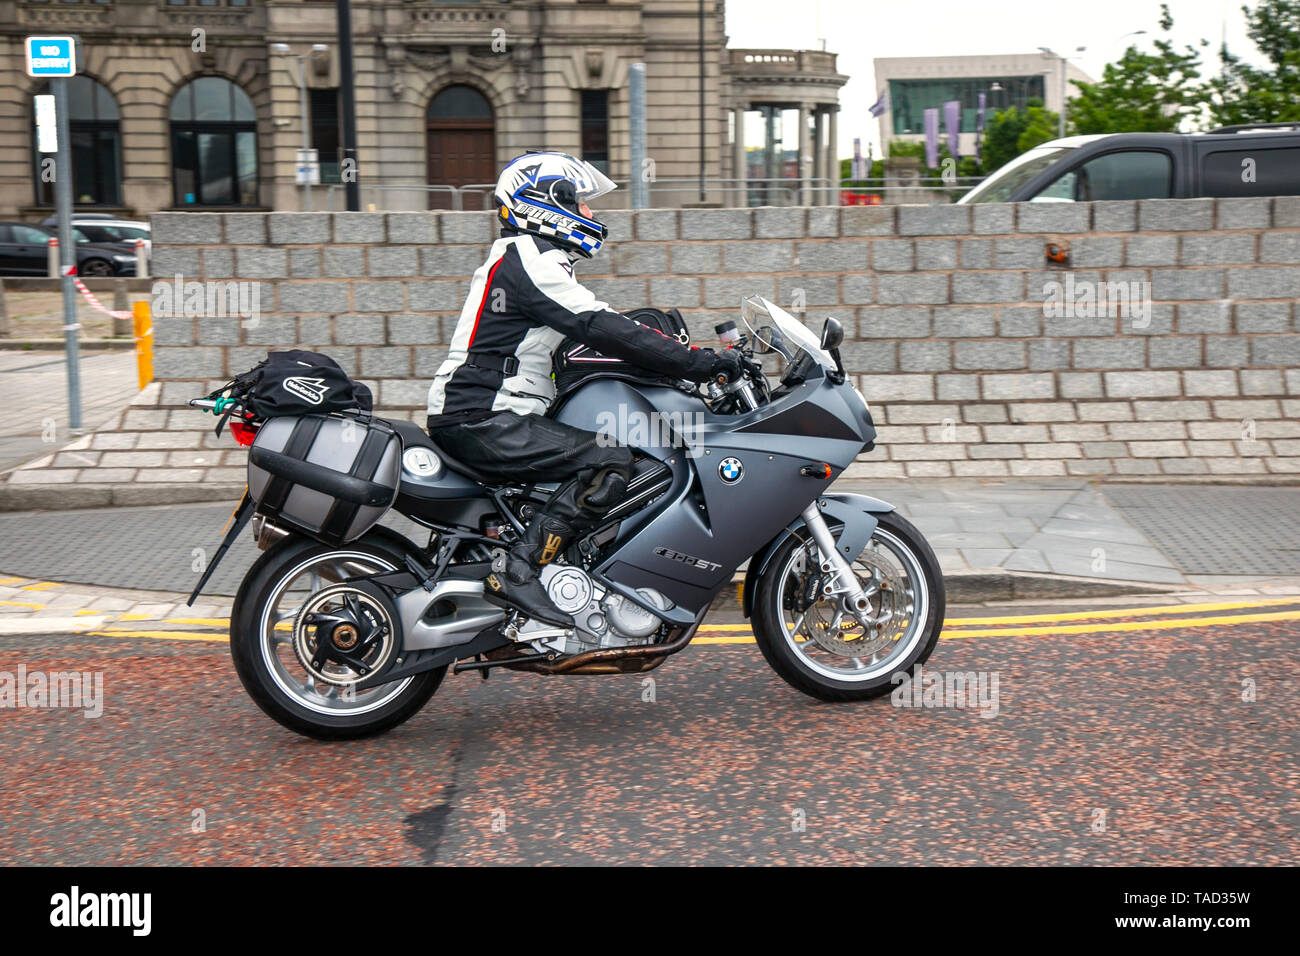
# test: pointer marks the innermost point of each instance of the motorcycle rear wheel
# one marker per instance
(263, 626)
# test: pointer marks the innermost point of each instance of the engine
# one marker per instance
(603, 618)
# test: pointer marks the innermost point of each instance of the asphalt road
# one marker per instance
(1120, 738)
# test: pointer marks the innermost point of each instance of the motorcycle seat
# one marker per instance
(413, 436)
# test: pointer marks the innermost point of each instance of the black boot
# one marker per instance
(514, 579)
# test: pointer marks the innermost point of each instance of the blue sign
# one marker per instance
(51, 56)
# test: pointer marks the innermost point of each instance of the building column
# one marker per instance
(833, 157)
(738, 147)
(818, 154)
(803, 167)
(769, 151)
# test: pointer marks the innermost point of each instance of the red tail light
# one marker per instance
(244, 434)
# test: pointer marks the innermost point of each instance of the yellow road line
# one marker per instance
(1166, 625)
(1124, 612)
(1082, 615)
(41, 586)
(201, 621)
(10, 580)
(162, 635)
(748, 638)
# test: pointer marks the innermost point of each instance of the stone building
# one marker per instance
(194, 104)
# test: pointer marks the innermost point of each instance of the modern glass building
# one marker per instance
(914, 84)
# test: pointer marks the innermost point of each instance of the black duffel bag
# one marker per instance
(295, 382)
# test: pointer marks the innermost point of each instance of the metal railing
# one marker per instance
(677, 192)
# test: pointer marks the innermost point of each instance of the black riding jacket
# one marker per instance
(523, 302)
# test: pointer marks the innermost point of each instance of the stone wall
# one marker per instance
(943, 306)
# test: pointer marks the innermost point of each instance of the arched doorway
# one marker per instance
(462, 143)
(214, 144)
(96, 147)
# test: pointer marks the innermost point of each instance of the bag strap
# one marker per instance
(299, 444)
(342, 513)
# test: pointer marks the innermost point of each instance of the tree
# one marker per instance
(1242, 93)
(1143, 92)
(1011, 132)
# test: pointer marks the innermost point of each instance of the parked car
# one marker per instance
(123, 232)
(1261, 160)
(24, 251)
(53, 221)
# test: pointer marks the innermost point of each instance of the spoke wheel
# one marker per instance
(820, 644)
(301, 638)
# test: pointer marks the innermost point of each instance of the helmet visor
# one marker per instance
(594, 184)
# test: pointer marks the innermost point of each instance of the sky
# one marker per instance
(861, 30)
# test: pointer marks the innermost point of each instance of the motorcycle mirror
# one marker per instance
(832, 333)
(767, 339)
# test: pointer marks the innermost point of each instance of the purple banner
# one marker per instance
(932, 137)
(952, 126)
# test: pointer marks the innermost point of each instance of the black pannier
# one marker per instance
(330, 476)
(576, 363)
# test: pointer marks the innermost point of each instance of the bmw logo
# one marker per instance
(731, 470)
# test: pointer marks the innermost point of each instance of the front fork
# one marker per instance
(843, 582)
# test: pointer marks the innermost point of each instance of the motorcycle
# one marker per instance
(344, 628)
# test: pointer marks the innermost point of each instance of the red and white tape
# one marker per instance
(90, 297)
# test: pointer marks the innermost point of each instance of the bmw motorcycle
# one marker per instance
(345, 628)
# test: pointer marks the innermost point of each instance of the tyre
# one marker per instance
(95, 267)
(301, 640)
(821, 649)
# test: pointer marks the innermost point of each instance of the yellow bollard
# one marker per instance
(143, 342)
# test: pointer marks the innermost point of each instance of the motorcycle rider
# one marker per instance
(488, 401)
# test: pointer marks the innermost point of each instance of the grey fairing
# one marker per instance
(718, 525)
(857, 515)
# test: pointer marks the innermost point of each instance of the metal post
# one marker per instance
(833, 157)
(348, 95)
(636, 134)
(67, 248)
(306, 136)
(702, 154)
(1060, 132)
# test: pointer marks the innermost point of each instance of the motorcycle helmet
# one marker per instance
(539, 193)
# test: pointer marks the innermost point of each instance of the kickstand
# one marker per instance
(484, 671)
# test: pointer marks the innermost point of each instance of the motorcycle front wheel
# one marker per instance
(290, 603)
(819, 647)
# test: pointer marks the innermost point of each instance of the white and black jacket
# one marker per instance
(523, 302)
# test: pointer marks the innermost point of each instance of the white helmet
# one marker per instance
(539, 193)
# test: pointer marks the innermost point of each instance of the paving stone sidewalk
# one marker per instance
(1193, 539)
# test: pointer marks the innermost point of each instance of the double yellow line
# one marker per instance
(1165, 617)
(1162, 618)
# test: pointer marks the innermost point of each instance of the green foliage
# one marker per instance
(1143, 92)
(1012, 131)
(1242, 93)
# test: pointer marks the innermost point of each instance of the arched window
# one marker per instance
(214, 144)
(462, 142)
(96, 146)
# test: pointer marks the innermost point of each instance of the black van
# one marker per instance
(1259, 160)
